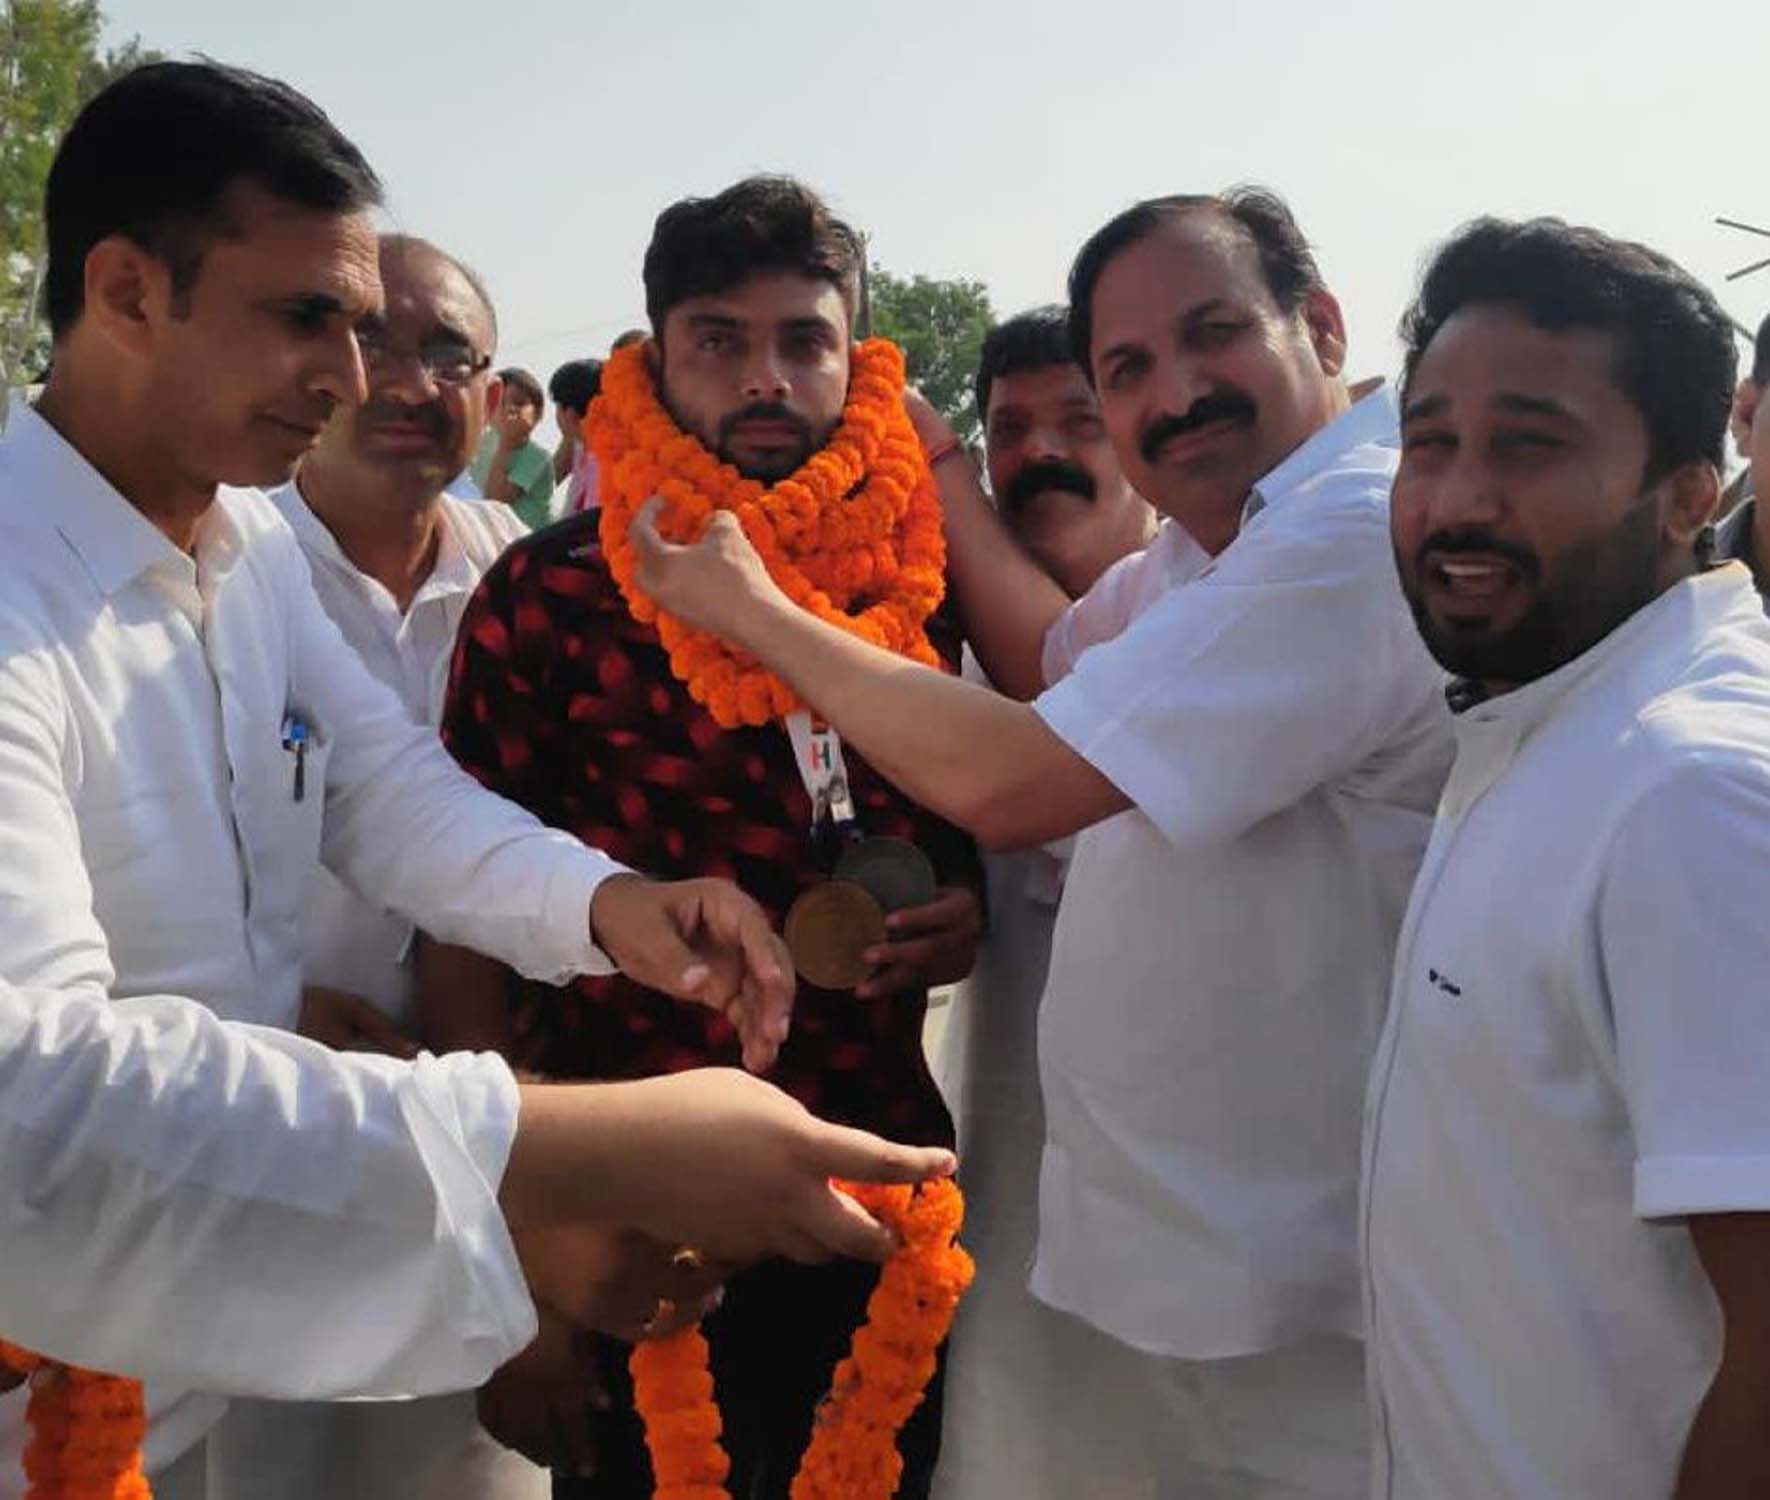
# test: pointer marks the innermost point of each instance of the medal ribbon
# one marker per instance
(817, 751)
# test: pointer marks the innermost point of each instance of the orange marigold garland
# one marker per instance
(855, 536)
(86, 1431)
(853, 1450)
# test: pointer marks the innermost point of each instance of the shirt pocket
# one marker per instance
(281, 811)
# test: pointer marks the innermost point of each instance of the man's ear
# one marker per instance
(1692, 491)
(126, 290)
(1745, 412)
(1326, 326)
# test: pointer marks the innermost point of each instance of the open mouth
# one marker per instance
(1474, 578)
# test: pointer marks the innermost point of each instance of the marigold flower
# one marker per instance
(855, 537)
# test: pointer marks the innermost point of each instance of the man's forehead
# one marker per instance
(1486, 351)
(269, 239)
(1060, 383)
(1182, 265)
(426, 290)
(773, 297)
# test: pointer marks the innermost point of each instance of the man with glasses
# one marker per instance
(394, 561)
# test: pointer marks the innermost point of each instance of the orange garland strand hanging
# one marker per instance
(854, 536)
(853, 1450)
(86, 1431)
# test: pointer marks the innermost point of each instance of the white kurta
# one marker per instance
(182, 739)
(1576, 1060)
(431, 1449)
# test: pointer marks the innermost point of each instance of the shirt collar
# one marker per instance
(1372, 419)
(451, 574)
(114, 541)
(1682, 613)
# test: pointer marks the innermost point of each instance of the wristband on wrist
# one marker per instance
(944, 450)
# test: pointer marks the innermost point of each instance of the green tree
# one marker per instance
(50, 64)
(940, 325)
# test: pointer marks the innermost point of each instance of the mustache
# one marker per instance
(1217, 406)
(1468, 539)
(1046, 474)
(765, 411)
(430, 417)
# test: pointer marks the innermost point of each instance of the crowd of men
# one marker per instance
(1358, 1078)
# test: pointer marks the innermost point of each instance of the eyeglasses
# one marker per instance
(447, 361)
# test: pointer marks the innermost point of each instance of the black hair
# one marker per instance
(1286, 260)
(575, 384)
(702, 246)
(515, 375)
(1028, 341)
(406, 243)
(1761, 355)
(154, 155)
(629, 336)
(1674, 358)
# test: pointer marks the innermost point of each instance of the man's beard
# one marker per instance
(775, 466)
(1579, 599)
(1042, 477)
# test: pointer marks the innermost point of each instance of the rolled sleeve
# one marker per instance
(1237, 693)
(178, 1195)
(1685, 950)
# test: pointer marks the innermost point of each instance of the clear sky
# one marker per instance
(987, 138)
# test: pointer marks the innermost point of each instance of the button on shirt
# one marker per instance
(161, 825)
(1222, 952)
(348, 942)
(1575, 1058)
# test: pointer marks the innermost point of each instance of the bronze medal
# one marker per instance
(829, 928)
(894, 871)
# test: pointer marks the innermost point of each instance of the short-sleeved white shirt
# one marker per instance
(1222, 952)
(349, 941)
(1577, 1054)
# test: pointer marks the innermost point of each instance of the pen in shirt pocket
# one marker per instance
(295, 737)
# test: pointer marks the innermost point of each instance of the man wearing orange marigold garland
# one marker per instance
(682, 755)
(1244, 729)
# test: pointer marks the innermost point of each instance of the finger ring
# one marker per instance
(661, 1313)
(689, 1261)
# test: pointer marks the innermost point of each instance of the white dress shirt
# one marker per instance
(233, 1208)
(161, 827)
(1221, 958)
(1575, 1059)
(434, 1449)
(348, 941)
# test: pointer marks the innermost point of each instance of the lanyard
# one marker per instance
(817, 750)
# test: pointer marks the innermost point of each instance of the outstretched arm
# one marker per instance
(978, 759)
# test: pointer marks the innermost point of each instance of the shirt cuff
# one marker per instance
(1675, 1186)
(1151, 781)
(462, 1113)
(566, 911)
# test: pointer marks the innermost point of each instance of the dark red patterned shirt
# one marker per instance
(562, 702)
